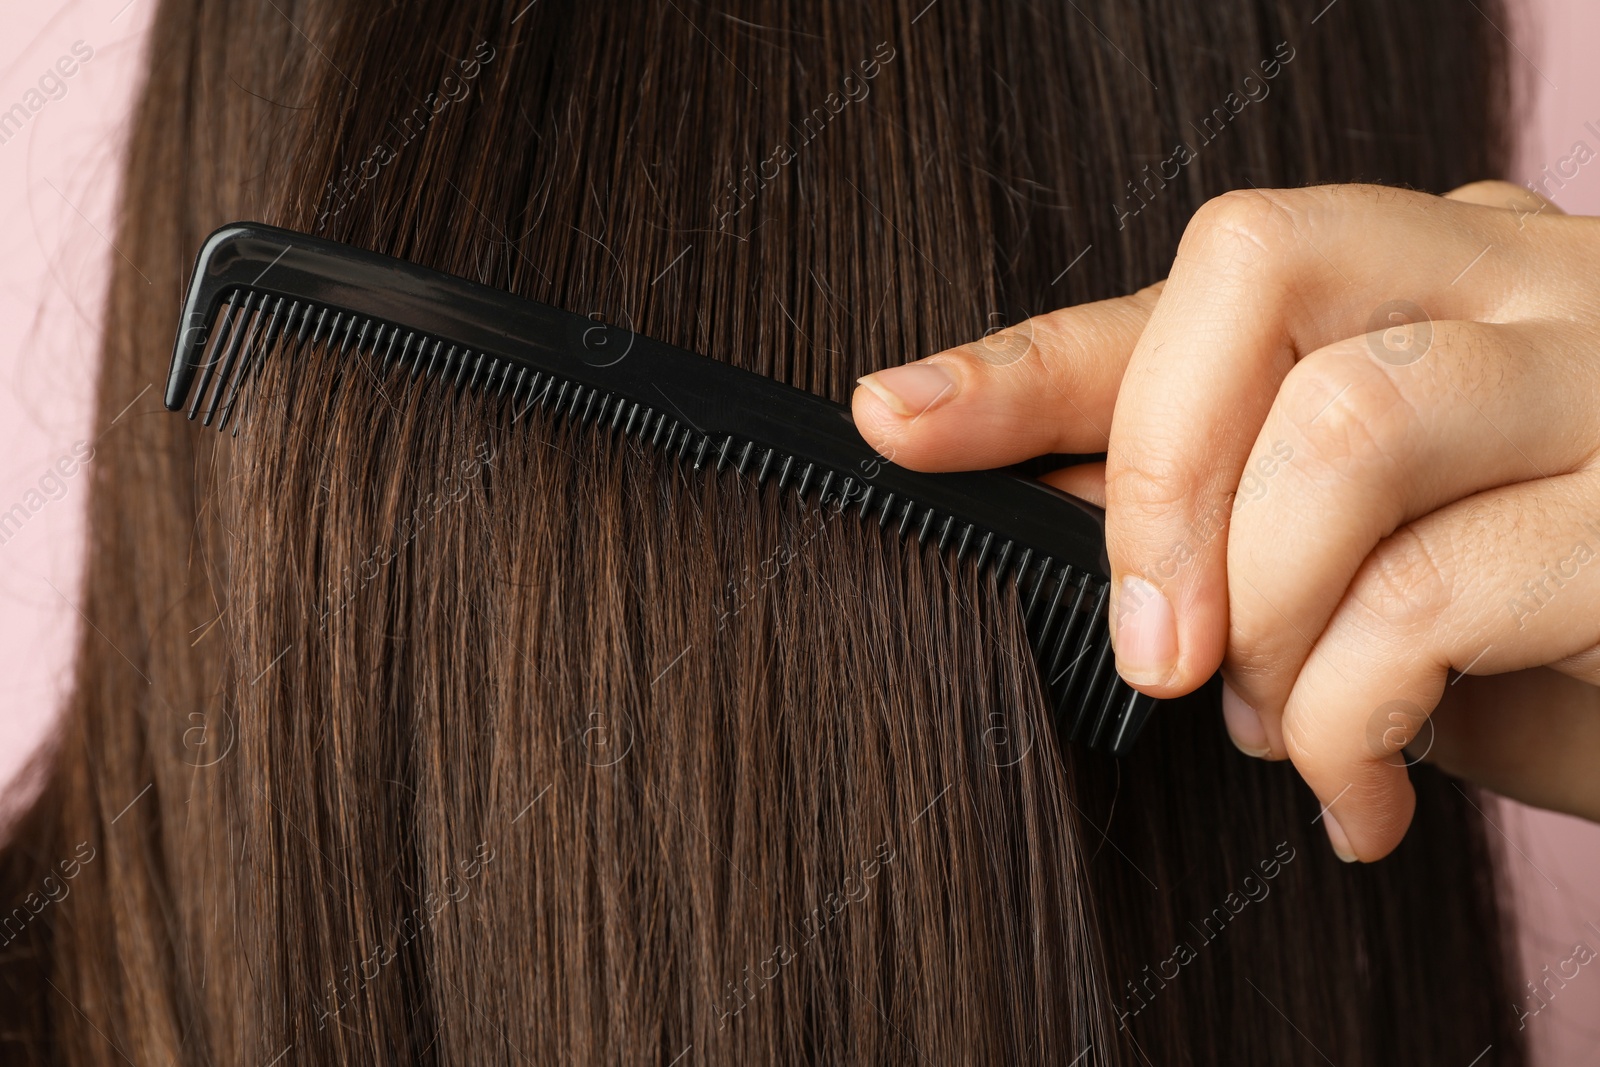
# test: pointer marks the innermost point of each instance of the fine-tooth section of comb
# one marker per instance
(258, 289)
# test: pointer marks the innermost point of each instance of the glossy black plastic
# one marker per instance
(267, 284)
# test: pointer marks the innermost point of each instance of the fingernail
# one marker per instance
(911, 388)
(1147, 633)
(1336, 837)
(1244, 725)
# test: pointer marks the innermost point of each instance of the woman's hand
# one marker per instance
(1352, 452)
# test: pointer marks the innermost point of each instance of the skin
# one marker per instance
(1352, 446)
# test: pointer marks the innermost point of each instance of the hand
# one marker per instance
(1352, 452)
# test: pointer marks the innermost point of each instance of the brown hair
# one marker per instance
(406, 729)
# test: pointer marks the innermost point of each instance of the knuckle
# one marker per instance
(1260, 654)
(1243, 224)
(1001, 348)
(1148, 485)
(1403, 583)
(1302, 738)
(1351, 412)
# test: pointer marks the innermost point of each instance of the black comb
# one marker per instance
(266, 284)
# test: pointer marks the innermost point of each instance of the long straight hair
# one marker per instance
(411, 728)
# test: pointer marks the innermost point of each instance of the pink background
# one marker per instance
(57, 179)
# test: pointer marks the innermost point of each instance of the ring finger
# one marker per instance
(1362, 438)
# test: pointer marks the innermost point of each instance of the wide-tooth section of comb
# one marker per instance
(259, 289)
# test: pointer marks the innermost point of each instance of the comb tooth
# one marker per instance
(625, 425)
(600, 412)
(1092, 633)
(1001, 559)
(766, 461)
(444, 368)
(413, 351)
(461, 369)
(700, 453)
(961, 545)
(399, 349)
(983, 547)
(424, 359)
(883, 510)
(418, 368)
(505, 378)
(944, 531)
(249, 357)
(927, 521)
(783, 475)
(1022, 569)
(306, 321)
(388, 353)
(823, 490)
(684, 442)
(544, 393)
(349, 335)
(224, 328)
(1052, 663)
(905, 516)
(1046, 626)
(219, 352)
(1129, 720)
(638, 419)
(722, 454)
(866, 501)
(561, 394)
(304, 315)
(349, 332)
(225, 371)
(1090, 727)
(477, 366)
(533, 392)
(247, 361)
(322, 318)
(805, 480)
(744, 456)
(377, 341)
(1033, 594)
(266, 347)
(1102, 724)
(661, 424)
(847, 491)
(524, 395)
(580, 393)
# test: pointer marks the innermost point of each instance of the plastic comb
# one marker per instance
(255, 286)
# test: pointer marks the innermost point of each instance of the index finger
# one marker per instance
(1047, 384)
